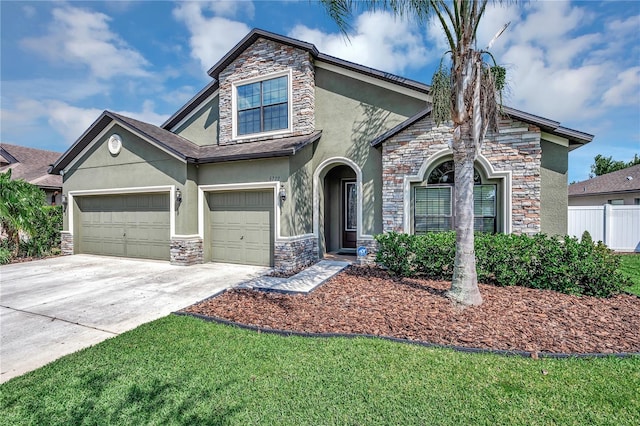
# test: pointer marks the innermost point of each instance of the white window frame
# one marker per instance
(234, 105)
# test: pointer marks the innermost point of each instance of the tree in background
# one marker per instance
(23, 211)
(466, 94)
(603, 165)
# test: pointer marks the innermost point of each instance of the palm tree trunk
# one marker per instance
(464, 286)
(467, 139)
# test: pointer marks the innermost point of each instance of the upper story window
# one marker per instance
(262, 106)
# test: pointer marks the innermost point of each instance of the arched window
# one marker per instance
(434, 203)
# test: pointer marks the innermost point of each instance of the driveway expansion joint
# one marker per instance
(60, 319)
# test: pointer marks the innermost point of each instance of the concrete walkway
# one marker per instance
(54, 307)
(303, 282)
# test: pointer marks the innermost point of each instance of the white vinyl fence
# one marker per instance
(616, 226)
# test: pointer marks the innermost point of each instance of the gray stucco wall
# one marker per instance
(202, 127)
(138, 164)
(351, 113)
(553, 188)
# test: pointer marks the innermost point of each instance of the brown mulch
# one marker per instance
(369, 301)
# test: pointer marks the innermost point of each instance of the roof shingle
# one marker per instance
(30, 164)
(625, 180)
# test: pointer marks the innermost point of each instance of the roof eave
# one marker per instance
(74, 149)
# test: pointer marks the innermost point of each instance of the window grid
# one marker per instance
(433, 208)
(263, 106)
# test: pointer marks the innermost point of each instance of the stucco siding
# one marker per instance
(202, 127)
(351, 114)
(139, 164)
(553, 191)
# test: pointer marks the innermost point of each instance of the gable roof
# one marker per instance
(575, 137)
(30, 164)
(251, 38)
(625, 180)
(183, 148)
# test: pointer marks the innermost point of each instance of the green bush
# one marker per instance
(5, 255)
(46, 238)
(561, 264)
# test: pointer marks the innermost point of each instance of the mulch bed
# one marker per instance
(363, 300)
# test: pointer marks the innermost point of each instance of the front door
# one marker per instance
(349, 213)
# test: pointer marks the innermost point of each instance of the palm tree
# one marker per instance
(20, 205)
(466, 95)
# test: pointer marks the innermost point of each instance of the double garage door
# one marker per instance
(133, 225)
(138, 225)
(241, 227)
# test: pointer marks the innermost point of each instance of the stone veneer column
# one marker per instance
(290, 256)
(262, 58)
(66, 243)
(186, 251)
(372, 248)
(515, 147)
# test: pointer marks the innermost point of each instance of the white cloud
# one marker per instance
(563, 61)
(211, 37)
(29, 11)
(378, 40)
(29, 117)
(626, 89)
(79, 36)
(148, 115)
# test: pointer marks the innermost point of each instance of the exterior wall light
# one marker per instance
(178, 196)
(64, 201)
(282, 194)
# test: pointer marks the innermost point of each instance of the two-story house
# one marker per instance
(290, 153)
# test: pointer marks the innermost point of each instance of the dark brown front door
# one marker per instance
(349, 213)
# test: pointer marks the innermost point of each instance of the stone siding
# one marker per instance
(290, 256)
(66, 243)
(515, 147)
(186, 251)
(262, 58)
(372, 248)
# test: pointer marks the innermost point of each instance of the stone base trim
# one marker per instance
(290, 256)
(66, 243)
(186, 251)
(372, 248)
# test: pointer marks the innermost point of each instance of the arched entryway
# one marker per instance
(340, 209)
(337, 206)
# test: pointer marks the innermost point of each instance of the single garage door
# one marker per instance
(135, 225)
(241, 227)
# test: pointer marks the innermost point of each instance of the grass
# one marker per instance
(181, 370)
(630, 266)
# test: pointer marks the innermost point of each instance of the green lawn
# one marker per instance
(630, 266)
(181, 370)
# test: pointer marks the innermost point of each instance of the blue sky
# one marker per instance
(64, 62)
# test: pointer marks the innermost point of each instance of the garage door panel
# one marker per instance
(135, 225)
(241, 227)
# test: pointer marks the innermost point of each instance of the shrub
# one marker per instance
(5, 255)
(561, 264)
(46, 238)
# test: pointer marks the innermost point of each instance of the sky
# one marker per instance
(64, 62)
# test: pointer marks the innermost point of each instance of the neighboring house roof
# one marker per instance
(625, 180)
(30, 164)
(182, 148)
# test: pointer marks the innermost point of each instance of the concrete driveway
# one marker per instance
(53, 307)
